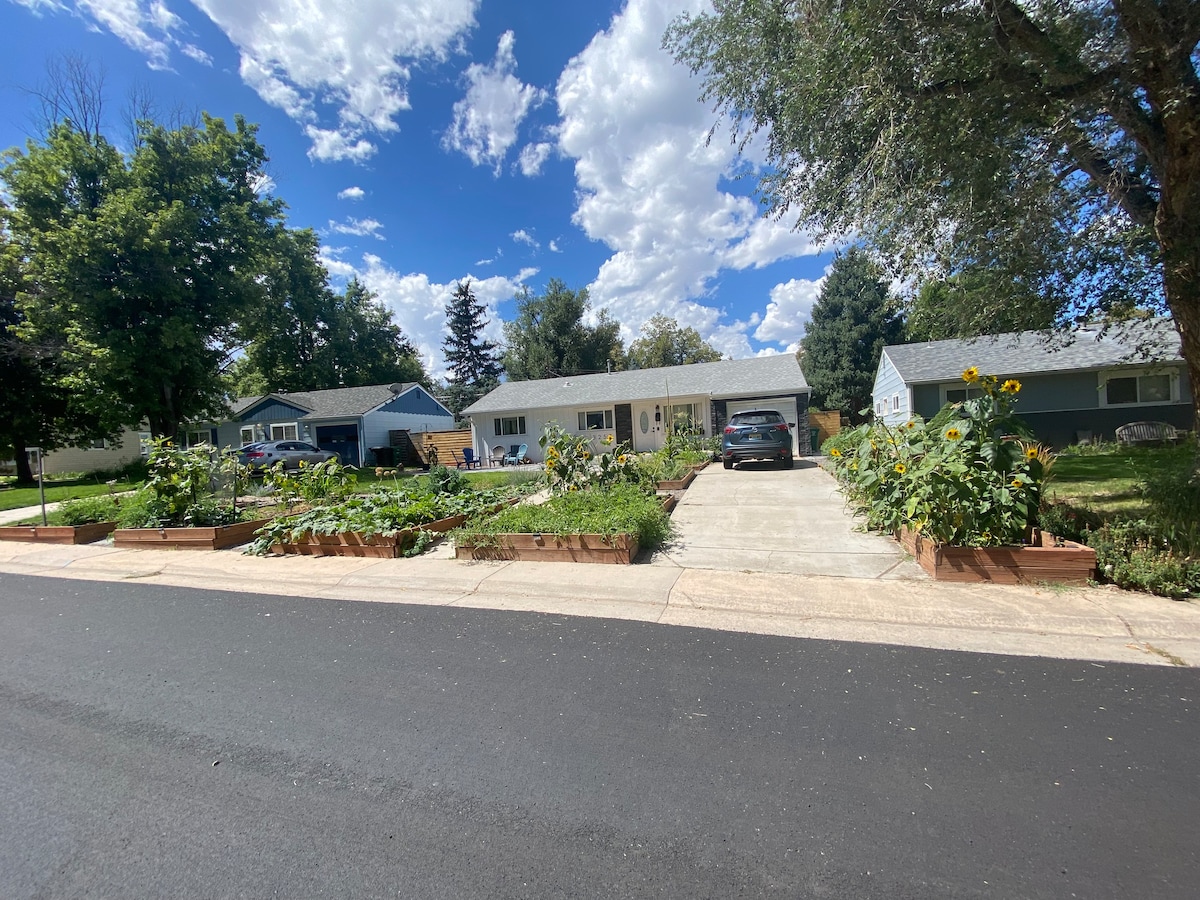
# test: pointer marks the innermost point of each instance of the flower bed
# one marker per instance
(1046, 560)
(213, 537)
(57, 534)
(678, 484)
(356, 543)
(590, 548)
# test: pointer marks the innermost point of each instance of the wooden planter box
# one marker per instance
(588, 548)
(57, 534)
(217, 537)
(677, 484)
(1048, 560)
(372, 546)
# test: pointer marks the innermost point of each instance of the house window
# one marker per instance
(144, 438)
(196, 438)
(99, 445)
(959, 394)
(595, 420)
(1128, 390)
(509, 425)
(895, 402)
(683, 418)
(284, 432)
(247, 435)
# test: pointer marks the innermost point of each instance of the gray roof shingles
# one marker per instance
(330, 404)
(754, 377)
(1032, 352)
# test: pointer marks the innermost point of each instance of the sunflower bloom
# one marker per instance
(608, 439)
(1016, 483)
(573, 487)
(953, 434)
(910, 424)
(900, 468)
(971, 375)
(1011, 386)
(1031, 452)
(835, 452)
(622, 459)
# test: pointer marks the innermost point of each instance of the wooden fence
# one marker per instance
(827, 423)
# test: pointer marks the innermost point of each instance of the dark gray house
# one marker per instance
(1078, 389)
(638, 406)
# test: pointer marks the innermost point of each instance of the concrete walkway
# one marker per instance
(871, 594)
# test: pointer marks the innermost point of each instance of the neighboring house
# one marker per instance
(100, 455)
(638, 406)
(348, 421)
(1077, 390)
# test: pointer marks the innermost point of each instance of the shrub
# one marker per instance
(572, 463)
(1136, 555)
(324, 481)
(86, 511)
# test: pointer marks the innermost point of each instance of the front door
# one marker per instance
(647, 427)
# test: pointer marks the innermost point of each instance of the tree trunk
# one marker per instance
(1175, 224)
(21, 457)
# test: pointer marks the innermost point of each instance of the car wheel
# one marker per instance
(728, 463)
(789, 462)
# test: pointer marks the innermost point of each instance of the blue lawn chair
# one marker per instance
(516, 455)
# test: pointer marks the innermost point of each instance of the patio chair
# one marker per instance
(497, 456)
(516, 454)
(469, 460)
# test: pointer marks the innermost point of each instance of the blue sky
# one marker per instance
(431, 141)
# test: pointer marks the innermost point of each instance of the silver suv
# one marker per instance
(757, 434)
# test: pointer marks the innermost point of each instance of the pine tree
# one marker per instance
(473, 361)
(852, 321)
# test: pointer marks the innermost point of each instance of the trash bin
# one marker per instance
(384, 456)
(814, 440)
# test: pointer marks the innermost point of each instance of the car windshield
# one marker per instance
(756, 418)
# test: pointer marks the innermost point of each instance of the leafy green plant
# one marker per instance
(1137, 556)
(621, 509)
(573, 464)
(86, 511)
(324, 481)
(385, 513)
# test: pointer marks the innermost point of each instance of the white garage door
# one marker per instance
(785, 405)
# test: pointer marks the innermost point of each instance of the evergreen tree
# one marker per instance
(473, 360)
(854, 318)
(549, 339)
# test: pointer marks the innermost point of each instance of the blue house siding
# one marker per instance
(273, 412)
(888, 384)
(415, 402)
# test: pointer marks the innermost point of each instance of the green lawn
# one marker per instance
(15, 498)
(1106, 478)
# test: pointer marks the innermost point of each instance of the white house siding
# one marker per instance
(888, 384)
(115, 454)
(376, 426)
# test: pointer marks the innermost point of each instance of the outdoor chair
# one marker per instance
(470, 460)
(516, 454)
(1147, 433)
(497, 456)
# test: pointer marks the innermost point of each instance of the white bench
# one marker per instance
(1147, 433)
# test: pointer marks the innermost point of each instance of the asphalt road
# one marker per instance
(170, 742)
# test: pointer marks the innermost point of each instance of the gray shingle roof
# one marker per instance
(755, 377)
(331, 404)
(1032, 352)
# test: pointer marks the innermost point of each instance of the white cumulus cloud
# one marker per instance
(521, 236)
(418, 303)
(486, 119)
(351, 193)
(789, 311)
(649, 182)
(358, 227)
(532, 157)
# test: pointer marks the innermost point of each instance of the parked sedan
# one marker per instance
(757, 434)
(290, 453)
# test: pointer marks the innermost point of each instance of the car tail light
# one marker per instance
(255, 454)
(782, 426)
(729, 429)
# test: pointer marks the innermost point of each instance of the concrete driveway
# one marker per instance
(758, 518)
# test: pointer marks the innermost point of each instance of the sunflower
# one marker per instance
(608, 439)
(835, 452)
(1031, 452)
(910, 424)
(971, 375)
(1016, 483)
(900, 468)
(622, 459)
(1011, 386)
(573, 487)
(952, 434)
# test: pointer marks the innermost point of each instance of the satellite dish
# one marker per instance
(396, 388)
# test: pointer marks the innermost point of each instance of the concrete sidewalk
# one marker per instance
(1100, 624)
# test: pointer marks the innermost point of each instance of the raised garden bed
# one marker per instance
(353, 543)
(217, 537)
(1046, 560)
(590, 548)
(57, 534)
(678, 484)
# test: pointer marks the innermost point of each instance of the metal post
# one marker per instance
(41, 482)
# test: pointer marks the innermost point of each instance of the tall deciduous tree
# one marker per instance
(852, 321)
(473, 360)
(549, 338)
(146, 262)
(365, 344)
(1058, 139)
(963, 307)
(664, 343)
